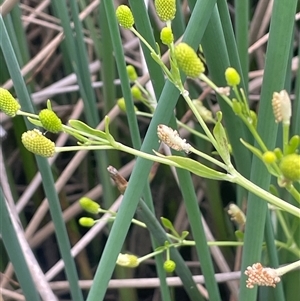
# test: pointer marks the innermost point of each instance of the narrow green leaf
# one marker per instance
(168, 225)
(196, 167)
(221, 138)
(184, 234)
(81, 126)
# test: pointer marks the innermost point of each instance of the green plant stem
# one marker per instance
(234, 176)
(272, 199)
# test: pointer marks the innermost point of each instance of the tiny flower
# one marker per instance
(232, 77)
(223, 91)
(269, 157)
(136, 92)
(236, 214)
(165, 9)
(188, 61)
(171, 138)
(37, 143)
(258, 275)
(50, 121)
(131, 72)
(203, 111)
(166, 36)
(169, 266)
(86, 222)
(290, 167)
(282, 107)
(89, 205)
(8, 103)
(127, 260)
(124, 16)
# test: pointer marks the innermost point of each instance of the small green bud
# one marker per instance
(269, 157)
(37, 143)
(169, 266)
(136, 93)
(131, 72)
(86, 222)
(166, 36)
(290, 167)
(165, 9)
(124, 16)
(8, 104)
(127, 260)
(293, 144)
(50, 121)
(188, 61)
(122, 105)
(89, 205)
(253, 117)
(236, 107)
(232, 77)
(278, 153)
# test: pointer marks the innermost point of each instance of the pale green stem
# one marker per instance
(181, 124)
(155, 56)
(294, 192)
(209, 158)
(253, 131)
(205, 79)
(22, 113)
(285, 134)
(233, 177)
(272, 199)
(285, 228)
(283, 270)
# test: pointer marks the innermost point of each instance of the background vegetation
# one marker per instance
(74, 53)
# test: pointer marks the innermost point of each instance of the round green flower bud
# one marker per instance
(122, 105)
(166, 36)
(124, 16)
(136, 92)
(86, 222)
(290, 167)
(165, 9)
(37, 143)
(236, 107)
(8, 103)
(169, 266)
(89, 205)
(269, 157)
(232, 77)
(131, 73)
(50, 121)
(188, 61)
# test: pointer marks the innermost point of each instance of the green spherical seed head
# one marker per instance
(165, 9)
(37, 143)
(290, 167)
(8, 103)
(124, 16)
(188, 61)
(50, 121)
(169, 266)
(166, 36)
(89, 205)
(232, 77)
(86, 222)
